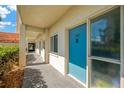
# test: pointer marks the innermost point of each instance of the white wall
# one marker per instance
(42, 51)
(75, 15)
(37, 48)
(41, 39)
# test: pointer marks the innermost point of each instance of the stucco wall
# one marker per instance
(75, 15)
(37, 48)
(41, 39)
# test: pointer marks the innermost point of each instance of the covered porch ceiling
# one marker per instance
(42, 16)
(31, 36)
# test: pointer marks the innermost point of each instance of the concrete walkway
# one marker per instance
(41, 75)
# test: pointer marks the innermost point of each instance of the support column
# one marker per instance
(46, 46)
(22, 46)
(122, 47)
(26, 46)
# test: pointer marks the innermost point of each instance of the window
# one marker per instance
(105, 44)
(105, 74)
(54, 43)
(105, 35)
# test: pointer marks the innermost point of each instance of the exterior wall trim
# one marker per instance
(56, 53)
(106, 59)
(88, 54)
(101, 12)
(67, 52)
(122, 48)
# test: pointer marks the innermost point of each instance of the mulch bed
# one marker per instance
(12, 79)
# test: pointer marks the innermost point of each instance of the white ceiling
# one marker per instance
(31, 35)
(42, 16)
(33, 32)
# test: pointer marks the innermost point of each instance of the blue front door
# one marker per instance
(77, 52)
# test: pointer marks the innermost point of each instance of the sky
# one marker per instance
(8, 18)
(96, 26)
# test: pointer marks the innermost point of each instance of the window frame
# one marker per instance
(104, 62)
(52, 43)
(122, 46)
(117, 61)
(109, 60)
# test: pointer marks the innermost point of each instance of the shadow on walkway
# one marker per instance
(37, 74)
(31, 57)
(35, 64)
(33, 79)
(34, 59)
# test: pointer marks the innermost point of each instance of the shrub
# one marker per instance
(8, 57)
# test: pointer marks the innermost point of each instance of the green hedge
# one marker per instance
(108, 49)
(8, 56)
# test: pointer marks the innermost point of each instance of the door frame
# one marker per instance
(67, 52)
(33, 47)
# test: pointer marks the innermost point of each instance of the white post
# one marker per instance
(22, 46)
(66, 51)
(122, 47)
(46, 46)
